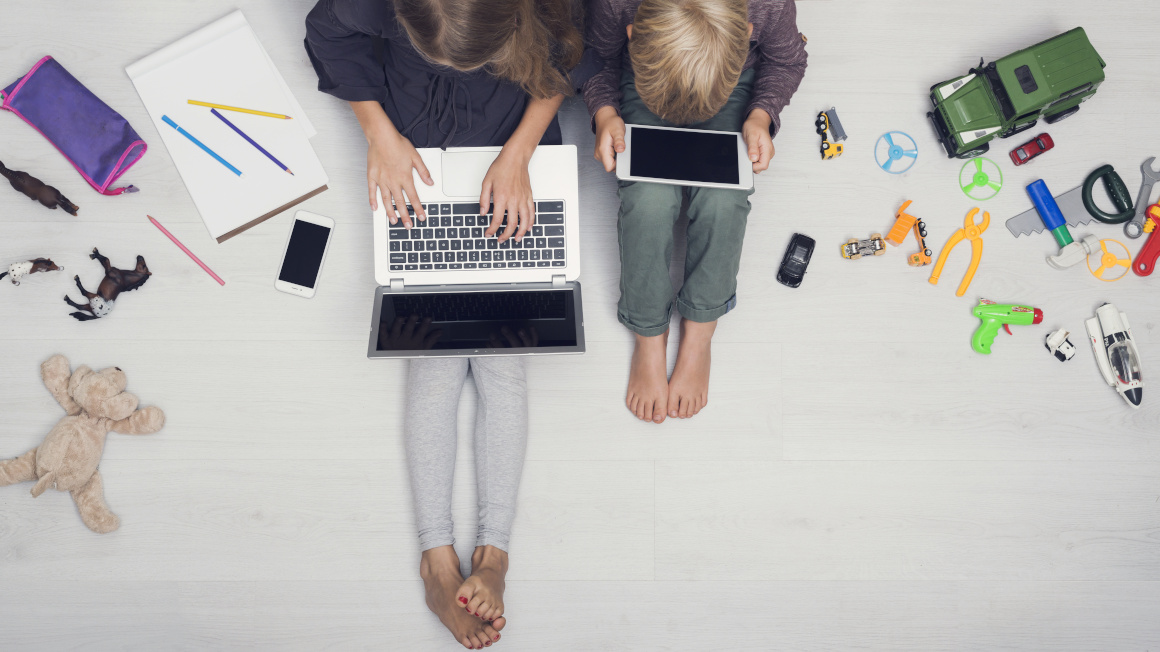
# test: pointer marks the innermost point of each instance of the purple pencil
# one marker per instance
(249, 140)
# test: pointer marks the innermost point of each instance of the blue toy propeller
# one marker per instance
(887, 153)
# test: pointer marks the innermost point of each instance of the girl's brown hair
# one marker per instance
(523, 41)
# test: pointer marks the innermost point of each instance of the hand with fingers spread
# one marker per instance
(507, 187)
(609, 137)
(755, 132)
(390, 159)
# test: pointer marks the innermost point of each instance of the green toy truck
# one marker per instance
(1048, 80)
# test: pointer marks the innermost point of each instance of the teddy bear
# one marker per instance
(67, 459)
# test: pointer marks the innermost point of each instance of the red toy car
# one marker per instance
(1030, 150)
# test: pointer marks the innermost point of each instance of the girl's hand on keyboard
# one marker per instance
(390, 158)
(509, 188)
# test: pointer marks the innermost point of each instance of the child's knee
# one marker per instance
(649, 205)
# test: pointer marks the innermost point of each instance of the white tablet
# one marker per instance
(685, 157)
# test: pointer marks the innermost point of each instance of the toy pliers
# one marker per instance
(972, 232)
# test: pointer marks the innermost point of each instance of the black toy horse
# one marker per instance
(17, 271)
(37, 190)
(115, 282)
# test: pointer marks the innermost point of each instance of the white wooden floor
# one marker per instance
(860, 480)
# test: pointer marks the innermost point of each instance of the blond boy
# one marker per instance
(726, 65)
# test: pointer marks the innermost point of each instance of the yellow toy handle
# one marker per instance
(976, 256)
(942, 256)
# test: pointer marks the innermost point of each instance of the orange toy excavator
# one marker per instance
(904, 223)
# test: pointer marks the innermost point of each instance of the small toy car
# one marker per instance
(827, 121)
(855, 248)
(1031, 149)
(1059, 345)
(796, 259)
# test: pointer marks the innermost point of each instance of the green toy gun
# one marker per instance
(994, 315)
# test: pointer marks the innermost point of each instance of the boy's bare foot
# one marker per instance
(648, 391)
(689, 387)
(440, 572)
(482, 593)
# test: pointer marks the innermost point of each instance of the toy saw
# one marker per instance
(1070, 204)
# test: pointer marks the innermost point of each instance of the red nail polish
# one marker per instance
(463, 599)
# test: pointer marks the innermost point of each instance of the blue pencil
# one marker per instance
(249, 140)
(167, 120)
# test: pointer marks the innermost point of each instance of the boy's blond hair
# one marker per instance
(687, 55)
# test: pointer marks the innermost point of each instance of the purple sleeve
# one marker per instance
(341, 38)
(606, 35)
(780, 66)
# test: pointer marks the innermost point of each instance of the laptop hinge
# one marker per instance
(557, 280)
(396, 285)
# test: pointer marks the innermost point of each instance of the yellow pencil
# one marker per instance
(240, 110)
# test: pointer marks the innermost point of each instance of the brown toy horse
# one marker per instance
(37, 190)
(115, 282)
(16, 271)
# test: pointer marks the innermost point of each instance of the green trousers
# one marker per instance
(648, 212)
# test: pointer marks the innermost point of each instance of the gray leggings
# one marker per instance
(501, 437)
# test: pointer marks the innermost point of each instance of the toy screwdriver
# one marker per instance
(972, 232)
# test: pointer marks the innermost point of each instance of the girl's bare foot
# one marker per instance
(440, 572)
(648, 391)
(689, 387)
(481, 594)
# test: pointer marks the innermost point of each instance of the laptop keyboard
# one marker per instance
(483, 306)
(453, 238)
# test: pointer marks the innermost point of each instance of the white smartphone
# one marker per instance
(685, 157)
(305, 251)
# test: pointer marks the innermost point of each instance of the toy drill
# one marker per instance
(994, 315)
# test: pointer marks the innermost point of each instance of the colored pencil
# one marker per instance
(187, 251)
(241, 110)
(250, 140)
(169, 121)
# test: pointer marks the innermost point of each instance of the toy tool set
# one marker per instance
(1070, 252)
(1136, 227)
(1116, 353)
(1146, 259)
(972, 232)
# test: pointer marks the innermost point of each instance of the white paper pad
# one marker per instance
(224, 63)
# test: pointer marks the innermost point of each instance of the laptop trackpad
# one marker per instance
(463, 172)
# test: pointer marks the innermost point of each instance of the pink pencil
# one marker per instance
(187, 251)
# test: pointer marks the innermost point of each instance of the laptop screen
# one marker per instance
(512, 319)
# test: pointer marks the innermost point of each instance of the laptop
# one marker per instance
(448, 290)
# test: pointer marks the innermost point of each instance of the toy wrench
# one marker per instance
(1135, 228)
(972, 232)
(1145, 262)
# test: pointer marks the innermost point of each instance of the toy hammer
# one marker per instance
(1070, 252)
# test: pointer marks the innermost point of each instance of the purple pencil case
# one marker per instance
(93, 137)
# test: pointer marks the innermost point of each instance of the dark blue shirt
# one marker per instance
(360, 52)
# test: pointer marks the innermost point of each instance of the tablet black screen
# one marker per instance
(684, 155)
